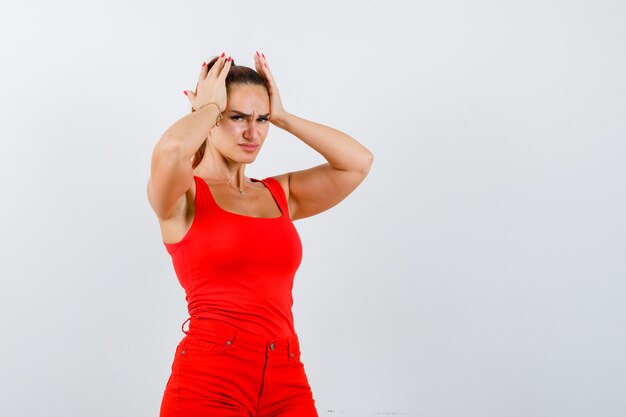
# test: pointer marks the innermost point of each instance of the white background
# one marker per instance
(478, 270)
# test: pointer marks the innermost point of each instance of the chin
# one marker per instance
(247, 159)
(250, 156)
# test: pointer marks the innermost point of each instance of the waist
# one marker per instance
(211, 328)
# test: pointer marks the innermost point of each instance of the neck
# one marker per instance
(219, 168)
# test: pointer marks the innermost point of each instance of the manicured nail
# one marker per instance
(185, 92)
(222, 55)
(257, 53)
(263, 55)
(203, 64)
(228, 60)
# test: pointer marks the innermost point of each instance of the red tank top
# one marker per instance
(239, 269)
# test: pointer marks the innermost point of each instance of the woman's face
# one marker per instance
(245, 122)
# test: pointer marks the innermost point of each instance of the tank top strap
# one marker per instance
(204, 196)
(202, 188)
(277, 191)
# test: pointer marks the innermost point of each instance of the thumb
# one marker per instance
(191, 96)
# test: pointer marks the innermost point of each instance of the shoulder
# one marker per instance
(283, 180)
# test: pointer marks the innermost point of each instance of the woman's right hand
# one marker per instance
(211, 85)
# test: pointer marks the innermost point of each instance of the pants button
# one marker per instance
(272, 345)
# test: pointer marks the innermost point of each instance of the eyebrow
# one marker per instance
(248, 115)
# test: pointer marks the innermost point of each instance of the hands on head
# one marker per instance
(211, 85)
(276, 105)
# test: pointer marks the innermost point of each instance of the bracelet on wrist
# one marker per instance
(219, 116)
(210, 102)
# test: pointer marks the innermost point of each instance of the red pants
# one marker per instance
(220, 370)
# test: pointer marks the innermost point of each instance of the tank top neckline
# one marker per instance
(280, 207)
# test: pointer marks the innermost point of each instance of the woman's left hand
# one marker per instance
(276, 105)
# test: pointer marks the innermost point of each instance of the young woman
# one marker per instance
(233, 244)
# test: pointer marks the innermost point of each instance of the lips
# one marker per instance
(249, 147)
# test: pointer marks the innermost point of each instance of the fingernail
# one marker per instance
(185, 92)
(203, 64)
(263, 54)
(222, 55)
(257, 53)
(228, 60)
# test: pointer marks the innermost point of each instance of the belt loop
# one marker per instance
(183, 326)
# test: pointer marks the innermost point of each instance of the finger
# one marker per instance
(264, 65)
(260, 61)
(226, 68)
(267, 75)
(257, 63)
(190, 96)
(264, 60)
(217, 66)
(260, 69)
(203, 72)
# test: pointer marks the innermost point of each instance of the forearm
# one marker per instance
(340, 150)
(189, 132)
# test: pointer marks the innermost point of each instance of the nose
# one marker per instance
(252, 131)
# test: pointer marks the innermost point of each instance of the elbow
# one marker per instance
(168, 143)
(366, 162)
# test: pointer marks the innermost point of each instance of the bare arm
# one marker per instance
(171, 172)
(190, 131)
(317, 189)
(311, 191)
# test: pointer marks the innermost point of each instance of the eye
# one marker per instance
(261, 119)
